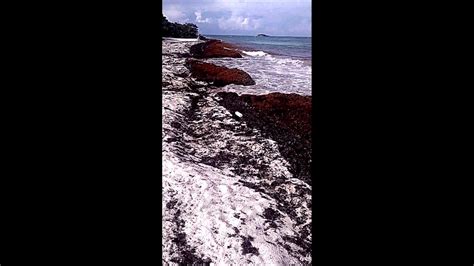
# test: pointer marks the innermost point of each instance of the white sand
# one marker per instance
(209, 199)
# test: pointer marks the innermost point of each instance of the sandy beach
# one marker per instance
(236, 178)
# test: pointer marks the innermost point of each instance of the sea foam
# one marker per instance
(255, 53)
(272, 73)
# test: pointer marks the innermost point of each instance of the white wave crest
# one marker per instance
(255, 53)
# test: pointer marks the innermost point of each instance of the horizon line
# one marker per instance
(254, 35)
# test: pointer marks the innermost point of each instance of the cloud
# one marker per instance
(199, 18)
(174, 13)
(236, 22)
(243, 17)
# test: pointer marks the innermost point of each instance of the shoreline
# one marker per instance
(250, 48)
(231, 161)
(272, 72)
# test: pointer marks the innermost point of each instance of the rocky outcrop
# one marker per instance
(214, 49)
(219, 75)
(285, 118)
(203, 38)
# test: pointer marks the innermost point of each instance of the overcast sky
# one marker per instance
(243, 17)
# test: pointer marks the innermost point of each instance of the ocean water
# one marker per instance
(277, 64)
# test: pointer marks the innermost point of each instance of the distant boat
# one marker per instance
(262, 35)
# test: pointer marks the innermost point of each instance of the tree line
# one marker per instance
(177, 30)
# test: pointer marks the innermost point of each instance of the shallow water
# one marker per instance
(295, 47)
(277, 64)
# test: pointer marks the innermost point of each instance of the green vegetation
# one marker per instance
(177, 30)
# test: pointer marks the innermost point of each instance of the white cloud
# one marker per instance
(174, 14)
(236, 22)
(275, 17)
(199, 18)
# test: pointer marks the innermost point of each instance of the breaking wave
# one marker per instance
(272, 73)
(255, 53)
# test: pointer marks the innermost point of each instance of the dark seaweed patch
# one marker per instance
(185, 254)
(271, 214)
(247, 247)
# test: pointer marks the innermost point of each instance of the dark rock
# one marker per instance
(219, 75)
(214, 49)
(200, 37)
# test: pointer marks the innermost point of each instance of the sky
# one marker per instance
(243, 17)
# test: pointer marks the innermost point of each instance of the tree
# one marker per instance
(177, 30)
